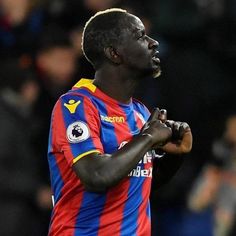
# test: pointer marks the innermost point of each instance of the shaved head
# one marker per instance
(103, 30)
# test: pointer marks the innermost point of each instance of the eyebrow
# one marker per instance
(136, 29)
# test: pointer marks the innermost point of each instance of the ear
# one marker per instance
(112, 55)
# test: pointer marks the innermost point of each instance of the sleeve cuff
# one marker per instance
(84, 154)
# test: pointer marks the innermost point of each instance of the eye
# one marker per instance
(141, 35)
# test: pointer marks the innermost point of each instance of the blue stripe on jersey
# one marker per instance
(55, 175)
(87, 222)
(130, 117)
(130, 219)
(142, 109)
(108, 134)
(148, 211)
(129, 224)
(56, 179)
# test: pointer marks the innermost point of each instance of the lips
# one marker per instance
(155, 57)
(156, 60)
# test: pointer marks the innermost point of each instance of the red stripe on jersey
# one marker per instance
(138, 120)
(115, 201)
(64, 214)
(94, 131)
(144, 223)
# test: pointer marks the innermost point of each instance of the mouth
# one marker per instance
(155, 58)
(156, 64)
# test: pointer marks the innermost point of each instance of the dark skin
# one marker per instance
(180, 143)
(125, 65)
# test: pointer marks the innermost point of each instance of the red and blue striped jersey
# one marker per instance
(85, 120)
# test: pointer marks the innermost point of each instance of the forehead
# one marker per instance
(134, 24)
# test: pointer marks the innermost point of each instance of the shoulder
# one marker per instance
(75, 98)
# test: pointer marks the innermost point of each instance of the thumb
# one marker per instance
(162, 115)
(154, 115)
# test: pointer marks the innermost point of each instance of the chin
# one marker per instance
(151, 71)
(157, 73)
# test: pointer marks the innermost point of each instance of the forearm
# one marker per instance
(100, 172)
(105, 171)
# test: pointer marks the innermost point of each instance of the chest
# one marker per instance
(118, 125)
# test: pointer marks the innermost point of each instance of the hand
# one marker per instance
(156, 129)
(181, 140)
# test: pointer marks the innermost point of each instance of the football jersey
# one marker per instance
(84, 121)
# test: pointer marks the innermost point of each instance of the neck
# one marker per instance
(117, 83)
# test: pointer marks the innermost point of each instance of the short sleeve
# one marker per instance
(76, 126)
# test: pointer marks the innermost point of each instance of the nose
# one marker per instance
(153, 44)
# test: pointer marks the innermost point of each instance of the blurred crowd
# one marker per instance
(41, 58)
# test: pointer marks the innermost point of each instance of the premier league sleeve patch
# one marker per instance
(77, 132)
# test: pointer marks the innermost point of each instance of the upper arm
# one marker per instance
(76, 128)
(90, 170)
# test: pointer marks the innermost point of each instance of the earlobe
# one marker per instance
(112, 55)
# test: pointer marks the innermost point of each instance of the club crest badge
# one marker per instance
(77, 132)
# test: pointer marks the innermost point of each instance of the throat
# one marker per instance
(121, 90)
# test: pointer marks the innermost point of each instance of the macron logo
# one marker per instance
(113, 119)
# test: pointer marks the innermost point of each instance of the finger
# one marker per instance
(170, 123)
(184, 146)
(154, 115)
(179, 148)
(187, 141)
(185, 126)
(171, 148)
(176, 125)
(175, 131)
(162, 115)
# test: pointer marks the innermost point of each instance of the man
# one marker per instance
(100, 144)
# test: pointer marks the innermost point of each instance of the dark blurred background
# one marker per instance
(41, 58)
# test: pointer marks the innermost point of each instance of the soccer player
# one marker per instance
(102, 140)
